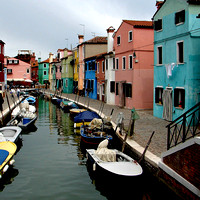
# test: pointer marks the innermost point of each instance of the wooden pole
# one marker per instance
(142, 157)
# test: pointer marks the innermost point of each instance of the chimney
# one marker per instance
(81, 38)
(159, 4)
(50, 57)
(110, 32)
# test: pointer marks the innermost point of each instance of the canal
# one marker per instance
(50, 165)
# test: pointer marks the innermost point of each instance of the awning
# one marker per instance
(28, 80)
(15, 79)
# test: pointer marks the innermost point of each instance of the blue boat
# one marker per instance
(31, 100)
(86, 116)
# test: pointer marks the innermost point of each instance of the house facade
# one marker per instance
(133, 46)
(18, 72)
(88, 49)
(2, 77)
(76, 70)
(67, 71)
(90, 78)
(176, 58)
(43, 71)
(110, 69)
(102, 66)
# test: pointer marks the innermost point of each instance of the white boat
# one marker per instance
(10, 133)
(113, 162)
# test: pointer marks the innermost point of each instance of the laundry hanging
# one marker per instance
(169, 68)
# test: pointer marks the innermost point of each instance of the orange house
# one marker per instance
(133, 46)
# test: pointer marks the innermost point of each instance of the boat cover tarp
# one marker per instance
(104, 153)
(96, 123)
(86, 116)
(3, 155)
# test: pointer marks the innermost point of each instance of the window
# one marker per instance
(9, 71)
(180, 17)
(86, 66)
(158, 25)
(103, 67)
(159, 55)
(92, 85)
(179, 98)
(130, 62)
(158, 95)
(130, 36)
(66, 83)
(98, 67)
(114, 63)
(98, 86)
(60, 68)
(106, 64)
(118, 40)
(124, 63)
(112, 86)
(128, 88)
(45, 73)
(117, 63)
(180, 54)
(45, 65)
(1, 67)
(103, 88)
(27, 71)
(0, 49)
(117, 89)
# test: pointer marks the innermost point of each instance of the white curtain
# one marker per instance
(167, 105)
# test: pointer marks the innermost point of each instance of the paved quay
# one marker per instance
(142, 131)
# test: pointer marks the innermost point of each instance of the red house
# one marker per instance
(134, 54)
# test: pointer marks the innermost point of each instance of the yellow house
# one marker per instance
(76, 64)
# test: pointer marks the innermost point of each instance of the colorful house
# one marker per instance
(176, 58)
(43, 72)
(90, 78)
(76, 71)
(133, 46)
(34, 70)
(67, 71)
(102, 65)
(88, 49)
(110, 69)
(2, 78)
(18, 72)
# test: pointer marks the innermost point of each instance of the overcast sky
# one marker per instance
(44, 26)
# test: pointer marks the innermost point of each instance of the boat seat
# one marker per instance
(3, 155)
(8, 133)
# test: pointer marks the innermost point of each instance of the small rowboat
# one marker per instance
(113, 162)
(7, 151)
(76, 111)
(10, 133)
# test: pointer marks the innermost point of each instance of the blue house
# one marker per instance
(176, 57)
(90, 81)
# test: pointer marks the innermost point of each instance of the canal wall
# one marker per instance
(154, 159)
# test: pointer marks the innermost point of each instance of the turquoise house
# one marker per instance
(67, 73)
(43, 71)
(176, 57)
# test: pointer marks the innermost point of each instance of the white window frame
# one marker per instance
(45, 65)
(130, 40)
(117, 63)
(103, 66)
(178, 51)
(158, 60)
(118, 44)
(97, 67)
(27, 70)
(124, 63)
(44, 72)
(130, 58)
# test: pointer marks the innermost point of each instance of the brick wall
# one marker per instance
(186, 163)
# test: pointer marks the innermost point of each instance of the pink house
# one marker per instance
(133, 46)
(18, 72)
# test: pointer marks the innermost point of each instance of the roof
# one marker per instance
(97, 40)
(139, 24)
(2, 42)
(45, 61)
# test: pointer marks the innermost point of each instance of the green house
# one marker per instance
(43, 71)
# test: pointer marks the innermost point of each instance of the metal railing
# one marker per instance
(184, 127)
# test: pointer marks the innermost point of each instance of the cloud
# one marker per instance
(44, 25)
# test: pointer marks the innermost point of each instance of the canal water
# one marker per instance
(51, 165)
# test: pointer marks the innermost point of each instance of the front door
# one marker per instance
(122, 99)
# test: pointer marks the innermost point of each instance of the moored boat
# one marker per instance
(111, 162)
(31, 100)
(10, 133)
(76, 111)
(7, 151)
(67, 105)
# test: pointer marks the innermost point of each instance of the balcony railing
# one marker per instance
(184, 127)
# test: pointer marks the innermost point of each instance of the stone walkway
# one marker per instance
(143, 126)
